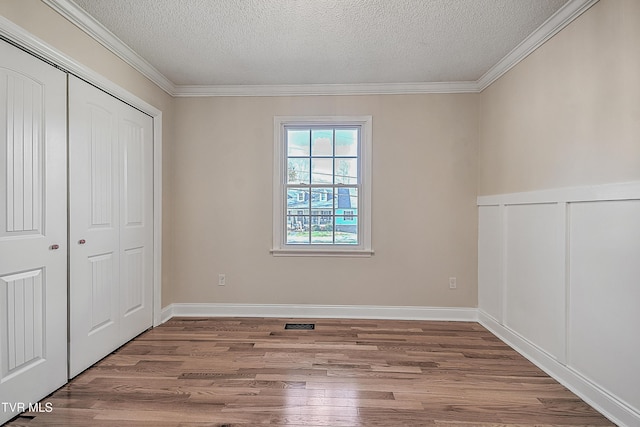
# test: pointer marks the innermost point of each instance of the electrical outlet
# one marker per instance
(452, 283)
(221, 280)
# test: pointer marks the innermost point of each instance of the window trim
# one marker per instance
(279, 246)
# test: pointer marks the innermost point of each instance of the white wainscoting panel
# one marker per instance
(605, 295)
(535, 293)
(559, 280)
(489, 261)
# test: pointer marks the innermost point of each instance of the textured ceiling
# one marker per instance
(276, 42)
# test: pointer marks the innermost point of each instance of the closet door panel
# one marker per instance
(111, 223)
(136, 231)
(33, 228)
(94, 207)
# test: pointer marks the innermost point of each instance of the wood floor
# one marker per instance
(240, 372)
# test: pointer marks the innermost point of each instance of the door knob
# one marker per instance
(82, 242)
(54, 247)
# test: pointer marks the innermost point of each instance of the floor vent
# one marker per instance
(300, 326)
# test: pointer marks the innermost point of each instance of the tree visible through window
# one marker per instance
(322, 183)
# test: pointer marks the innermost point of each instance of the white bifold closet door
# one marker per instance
(110, 224)
(33, 230)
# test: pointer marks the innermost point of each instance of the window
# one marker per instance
(322, 171)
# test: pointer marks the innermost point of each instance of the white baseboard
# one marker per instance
(319, 311)
(594, 395)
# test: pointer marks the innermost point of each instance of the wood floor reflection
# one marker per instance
(250, 371)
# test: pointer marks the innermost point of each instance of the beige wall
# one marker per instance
(217, 169)
(424, 197)
(569, 114)
(46, 24)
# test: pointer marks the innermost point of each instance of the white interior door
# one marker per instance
(33, 230)
(136, 222)
(94, 224)
(111, 223)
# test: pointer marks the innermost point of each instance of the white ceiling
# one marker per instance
(319, 42)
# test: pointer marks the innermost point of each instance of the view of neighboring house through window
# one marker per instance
(322, 185)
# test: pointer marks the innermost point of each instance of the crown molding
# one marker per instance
(326, 89)
(98, 32)
(76, 15)
(556, 22)
(24, 40)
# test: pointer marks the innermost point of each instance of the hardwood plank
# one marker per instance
(195, 372)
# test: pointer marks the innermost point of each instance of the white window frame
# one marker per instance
(280, 248)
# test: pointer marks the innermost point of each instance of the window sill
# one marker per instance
(322, 252)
